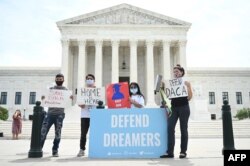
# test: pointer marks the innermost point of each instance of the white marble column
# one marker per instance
(166, 60)
(65, 60)
(133, 60)
(115, 61)
(81, 64)
(150, 74)
(98, 63)
(182, 54)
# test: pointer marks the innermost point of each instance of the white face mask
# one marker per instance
(89, 82)
(133, 90)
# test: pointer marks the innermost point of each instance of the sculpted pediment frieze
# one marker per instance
(123, 14)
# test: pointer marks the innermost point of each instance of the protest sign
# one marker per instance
(91, 96)
(176, 88)
(118, 95)
(128, 133)
(57, 98)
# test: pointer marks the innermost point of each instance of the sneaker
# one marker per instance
(166, 155)
(55, 154)
(182, 155)
(81, 153)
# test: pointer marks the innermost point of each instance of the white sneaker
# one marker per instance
(81, 153)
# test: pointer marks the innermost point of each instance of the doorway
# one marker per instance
(124, 79)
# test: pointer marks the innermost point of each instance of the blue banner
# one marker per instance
(128, 133)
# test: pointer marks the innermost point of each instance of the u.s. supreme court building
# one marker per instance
(126, 43)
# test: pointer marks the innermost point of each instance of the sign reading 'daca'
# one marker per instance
(91, 96)
(118, 95)
(128, 133)
(176, 88)
(57, 98)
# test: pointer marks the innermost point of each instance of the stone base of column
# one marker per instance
(152, 105)
(73, 114)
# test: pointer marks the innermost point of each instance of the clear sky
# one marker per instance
(219, 35)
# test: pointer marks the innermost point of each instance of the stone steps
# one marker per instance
(197, 129)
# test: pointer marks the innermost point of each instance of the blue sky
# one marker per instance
(219, 35)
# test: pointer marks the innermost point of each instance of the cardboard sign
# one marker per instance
(118, 95)
(57, 98)
(128, 133)
(176, 88)
(91, 96)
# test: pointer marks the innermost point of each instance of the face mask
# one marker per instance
(59, 83)
(89, 82)
(134, 90)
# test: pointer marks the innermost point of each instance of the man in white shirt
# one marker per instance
(85, 116)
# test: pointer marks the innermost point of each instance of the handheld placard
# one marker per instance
(166, 101)
(159, 87)
(158, 83)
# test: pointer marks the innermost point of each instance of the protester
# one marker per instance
(136, 97)
(54, 116)
(85, 116)
(180, 110)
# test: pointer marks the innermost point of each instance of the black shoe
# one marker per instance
(167, 156)
(55, 154)
(182, 155)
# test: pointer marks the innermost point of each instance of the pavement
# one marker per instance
(201, 152)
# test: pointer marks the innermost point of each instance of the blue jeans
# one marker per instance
(182, 113)
(48, 121)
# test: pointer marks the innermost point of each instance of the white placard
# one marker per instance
(90, 96)
(58, 98)
(176, 88)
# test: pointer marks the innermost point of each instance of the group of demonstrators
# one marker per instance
(179, 106)
(56, 115)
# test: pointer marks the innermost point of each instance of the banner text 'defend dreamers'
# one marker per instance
(130, 139)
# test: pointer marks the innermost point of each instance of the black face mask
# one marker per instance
(59, 83)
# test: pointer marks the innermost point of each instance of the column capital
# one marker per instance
(166, 42)
(81, 41)
(182, 43)
(98, 42)
(115, 42)
(150, 42)
(133, 42)
(64, 41)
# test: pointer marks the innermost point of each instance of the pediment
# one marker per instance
(122, 14)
